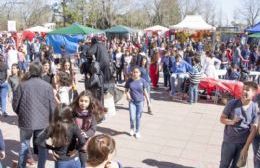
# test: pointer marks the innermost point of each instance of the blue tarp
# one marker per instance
(69, 41)
(255, 28)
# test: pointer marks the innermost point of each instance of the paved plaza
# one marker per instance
(178, 135)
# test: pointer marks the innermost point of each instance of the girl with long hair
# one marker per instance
(135, 93)
(87, 111)
(63, 137)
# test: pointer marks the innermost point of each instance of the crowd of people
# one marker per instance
(45, 98)
(50, 111)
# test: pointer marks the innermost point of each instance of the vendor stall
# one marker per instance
(69, 37)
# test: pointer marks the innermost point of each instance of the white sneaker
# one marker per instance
(137, 135)
(132, 132)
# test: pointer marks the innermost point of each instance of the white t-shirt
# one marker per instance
(12, 57)
(63, 94)
(118, 59)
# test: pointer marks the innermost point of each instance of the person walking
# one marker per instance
(135, 92)
(34, 104)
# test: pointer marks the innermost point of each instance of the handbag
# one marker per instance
(241, 161)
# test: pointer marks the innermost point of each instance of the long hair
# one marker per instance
(146, 64)
(58, 129)
(95, 107)
(20, 74)
(99, 148)
(64, 61)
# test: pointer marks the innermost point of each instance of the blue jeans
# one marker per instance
(166, 79)
(135, 109)
(4, 91)
(176, 82)
(229, 154)
(22, 65)
(25, 137)
(193, 93)
(73, 163)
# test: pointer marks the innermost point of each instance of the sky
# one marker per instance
(228, 7)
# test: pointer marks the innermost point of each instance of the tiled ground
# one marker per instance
(178, 135)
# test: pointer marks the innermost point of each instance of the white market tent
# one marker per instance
(157, 28)
(193, 22)
(39, 29)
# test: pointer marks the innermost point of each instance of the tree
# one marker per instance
(208, 11)
(220, 17)
(162, 12)
(190, 7)
(34, 12)
(250, 11)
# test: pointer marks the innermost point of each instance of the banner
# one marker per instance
(11, 26)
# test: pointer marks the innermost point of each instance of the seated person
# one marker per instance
(233, 72)
(180, 69)
(244, 73)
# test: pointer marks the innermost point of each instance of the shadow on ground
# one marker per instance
(110, 131)
(163, 164)
(12, 120)
(121, 107)
(12, 153)
(160, 94)
(12, 147)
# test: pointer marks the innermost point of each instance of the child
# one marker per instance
(86, 112)
(63, 92)
(195, 76)
(66, 66)
(135, 91)
(2, 147)
(61, 137)
(101, 150)
(239, 117)
(233, 72)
